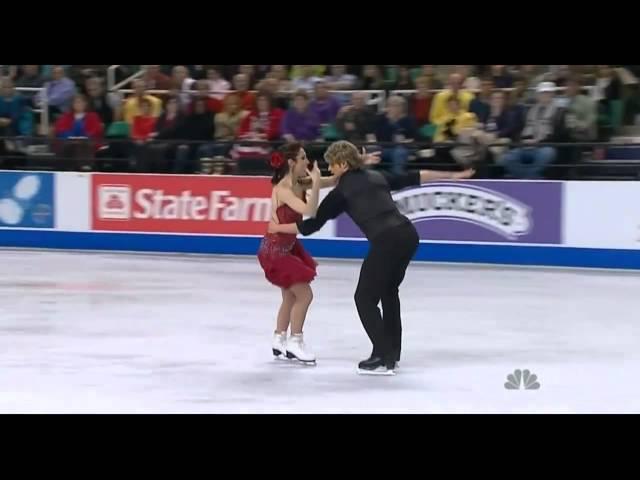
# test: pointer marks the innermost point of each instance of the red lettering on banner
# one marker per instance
(180, 204)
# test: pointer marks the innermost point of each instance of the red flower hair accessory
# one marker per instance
(277, 160)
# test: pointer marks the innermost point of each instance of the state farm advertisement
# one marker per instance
(180, 204)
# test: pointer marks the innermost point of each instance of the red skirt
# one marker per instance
(285, 265)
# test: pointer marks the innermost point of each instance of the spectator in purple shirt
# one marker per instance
(300, 122)
(325, 106)
(60, 92)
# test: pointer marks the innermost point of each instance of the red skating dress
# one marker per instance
(284, 261)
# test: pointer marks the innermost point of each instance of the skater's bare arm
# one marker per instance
(332, 206)
(328, 182)
(325, 182)
(414, 179)
(289, 228)
(300, 206)
(310, 207)
(432, 175)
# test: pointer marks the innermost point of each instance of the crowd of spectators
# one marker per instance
(171, 117)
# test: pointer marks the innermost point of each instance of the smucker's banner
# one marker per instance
(496, 212)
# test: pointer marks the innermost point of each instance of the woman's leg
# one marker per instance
(279, 345)
(284, 313)
(303, 298)
(296, 348)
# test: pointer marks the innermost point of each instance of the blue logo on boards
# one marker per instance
(26, 200)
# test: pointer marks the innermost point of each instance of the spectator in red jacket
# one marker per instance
(203, 87)
(154, 79)
(421, 102)
(241, 87)
(79, 123)
(262, 124)
(82, 131)
(143, 125)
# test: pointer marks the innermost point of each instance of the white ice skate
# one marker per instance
(279, 346)
(297, 350)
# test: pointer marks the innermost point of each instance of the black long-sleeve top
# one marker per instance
(365, 195)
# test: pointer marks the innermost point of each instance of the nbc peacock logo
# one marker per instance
(520, 379)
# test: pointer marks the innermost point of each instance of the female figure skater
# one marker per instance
(365, 195)
(285, 262)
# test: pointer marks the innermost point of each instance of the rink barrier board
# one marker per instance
(593, 224)
(546, 256)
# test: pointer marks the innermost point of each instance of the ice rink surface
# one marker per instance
(106, 333)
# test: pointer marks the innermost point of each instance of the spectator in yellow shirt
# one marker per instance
(315, 70)
(132, 106)
(439, 108)
(454, 121)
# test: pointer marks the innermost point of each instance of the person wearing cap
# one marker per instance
(529, 162)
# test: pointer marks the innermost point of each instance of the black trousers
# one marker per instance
(380, 277)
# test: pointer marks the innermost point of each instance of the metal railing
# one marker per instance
(612, 144)
(112, 86)
(376, 98)
(422, 151)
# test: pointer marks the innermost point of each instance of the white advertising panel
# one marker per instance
(602, 215)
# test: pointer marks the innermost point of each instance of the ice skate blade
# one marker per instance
(295, 361)
(376, 373)
(307, 364)
(291, 357)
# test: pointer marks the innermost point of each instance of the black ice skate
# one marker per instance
(376, 366)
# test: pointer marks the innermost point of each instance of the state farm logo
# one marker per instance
(114, 202)
(118, 202)
(218, 205)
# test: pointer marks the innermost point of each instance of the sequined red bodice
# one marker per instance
(281, 255)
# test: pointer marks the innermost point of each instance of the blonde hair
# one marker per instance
(398, 100)
(343, 152)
